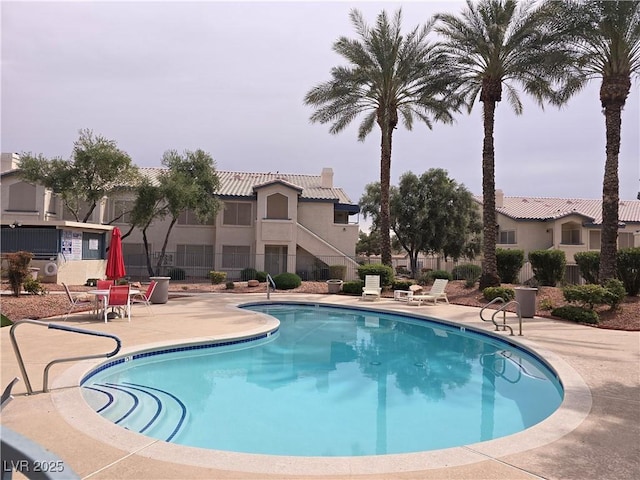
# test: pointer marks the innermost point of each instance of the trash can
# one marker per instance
(526, 297)
(161, 292)
(334, 285)
(34, 272)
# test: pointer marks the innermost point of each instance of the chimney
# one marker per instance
(326, 178)
(499, 199)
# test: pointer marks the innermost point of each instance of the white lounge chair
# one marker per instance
(371, 287)
(436, 293)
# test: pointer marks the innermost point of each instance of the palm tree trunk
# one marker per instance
(385, 179)
(489, 277)
(610, 194)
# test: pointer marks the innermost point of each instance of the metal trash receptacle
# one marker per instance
(526, 297)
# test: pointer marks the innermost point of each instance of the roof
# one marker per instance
(242, 184)
(542, 208)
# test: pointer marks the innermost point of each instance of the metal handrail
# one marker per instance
(53, 326)
(270, 283)
(503, 309)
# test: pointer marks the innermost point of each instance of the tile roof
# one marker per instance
(241, 184)
(541, 208)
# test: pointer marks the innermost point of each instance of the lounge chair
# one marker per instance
(371, 287)
(78, 301)
(118, 298)
(436, 293)
(145, 297)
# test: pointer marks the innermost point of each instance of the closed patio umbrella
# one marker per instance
(115, 261)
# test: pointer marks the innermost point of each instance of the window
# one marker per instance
(625, 240)
(122, 211)
(22, 197)
(507, 237)
(236, 213)
(194, 255)
(235, 256)
(277, 207)
(570, 234)
(188, 217)
(594, 240)
(340, 217)
(134, 253)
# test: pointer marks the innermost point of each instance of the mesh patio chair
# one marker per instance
(77, 301)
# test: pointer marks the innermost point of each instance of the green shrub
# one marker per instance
(467, 271)
(402, 270)
(505, 293)
(248, 274)
(509, 264)
(4, 321)
(287, 281)
(615, 292)
(443, 274)
(217, 277)
(576, 314)
(586, 295)
(589, 295)
(18, 270)
(548, 266)
(337, 272)
(354, 287)
(261, 276)
(33, 286)
(545, 304)
(230, 285)
(401, 285)
(589, 265)
(628, 267)
(385, 272)
(176, 273)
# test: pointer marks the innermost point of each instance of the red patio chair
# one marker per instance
(118, 298)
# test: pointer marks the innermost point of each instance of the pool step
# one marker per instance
(140, 408)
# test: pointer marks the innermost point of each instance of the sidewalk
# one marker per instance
(594, 435)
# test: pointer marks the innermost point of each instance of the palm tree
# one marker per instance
(608, 44)
(498, 44)
(388, 76)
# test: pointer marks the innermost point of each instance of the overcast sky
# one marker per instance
(230, 78)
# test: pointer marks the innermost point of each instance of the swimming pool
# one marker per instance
(330, 383)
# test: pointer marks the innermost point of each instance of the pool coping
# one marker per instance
(572, 412)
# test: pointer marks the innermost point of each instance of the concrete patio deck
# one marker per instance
(594, 435)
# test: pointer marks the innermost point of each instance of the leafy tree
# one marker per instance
(189, 183)
(498, 44)
(389, 76)
(607, 40)
(430, 214)
(150, 205)
(98, 168)
(368, 243)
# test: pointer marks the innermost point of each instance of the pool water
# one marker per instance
(332, 382)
